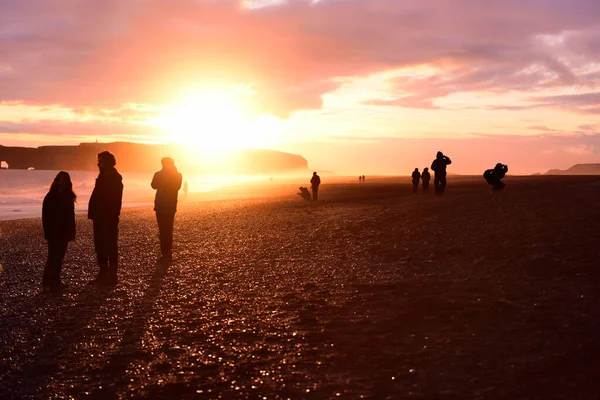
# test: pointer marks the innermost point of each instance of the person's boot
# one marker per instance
(111, 276)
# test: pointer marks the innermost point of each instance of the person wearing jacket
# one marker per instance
(416, 177)
(167, 183)
(58, 220)
(104, 211)
(439, 168)
(315, 182)
(494, 176)
(426, 177)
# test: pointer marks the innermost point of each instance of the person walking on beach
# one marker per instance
(315, 181)
(426, 177)
(58, 220)
(416, 177)
(439, 168)
(185, 189)
(167, 183)
(104, 211)
(494, 177)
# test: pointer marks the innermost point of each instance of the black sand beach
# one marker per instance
(370, 293)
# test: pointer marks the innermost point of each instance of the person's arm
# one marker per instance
(448, 160)
(120, 197)
(155, 181)
(114, 196)
(433, 165)
(46, 215)
(72, 221)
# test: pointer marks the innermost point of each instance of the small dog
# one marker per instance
(304, 193)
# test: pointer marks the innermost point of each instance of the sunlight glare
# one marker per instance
(210, 122)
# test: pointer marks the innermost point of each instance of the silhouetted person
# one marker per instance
(185, 189)
(360, 179)
(104, 210)
(167, 183)
(426, 177)
(416, 177)
(494, 176)
(304, 193)
(58, 220)
(439, 168)
(315, 181)
(363, 179)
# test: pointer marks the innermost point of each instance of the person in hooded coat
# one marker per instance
(167, 183)
(104, 210)
(416, 177)
(426, 177)
(439, 168)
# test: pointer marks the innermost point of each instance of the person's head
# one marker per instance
(416, 169)
(439, 155)
(425, 169)
(62, 184)
(314, 173)
(106, 160)
(499, 165)
(168, 162)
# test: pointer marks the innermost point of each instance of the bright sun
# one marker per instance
(210, 120)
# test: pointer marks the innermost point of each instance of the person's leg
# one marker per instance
(56, 255)
(112, 243)
(165, 231)
(436, 183)
(442, 185)
(49, 274)
(315, 194)
(498, 185)
(62, 252)
(101, 248)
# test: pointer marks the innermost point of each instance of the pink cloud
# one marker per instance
(113, 52)
(542, 128)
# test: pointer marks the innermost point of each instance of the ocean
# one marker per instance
(22, 192)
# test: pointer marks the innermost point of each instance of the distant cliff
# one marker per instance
(577, 169)
(138, 157)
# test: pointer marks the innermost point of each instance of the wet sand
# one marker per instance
(370, 293)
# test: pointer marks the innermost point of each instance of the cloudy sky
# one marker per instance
(355, 86)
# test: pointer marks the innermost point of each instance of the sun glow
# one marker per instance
(208, 120)
(209, 123)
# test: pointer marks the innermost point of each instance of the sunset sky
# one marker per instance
(355, 86)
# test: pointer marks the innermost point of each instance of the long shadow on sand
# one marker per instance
(114, 369)
(49, 340)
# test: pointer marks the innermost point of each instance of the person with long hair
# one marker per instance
(58, 220)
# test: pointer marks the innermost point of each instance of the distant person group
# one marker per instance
(58, 218)
(315, 182)
(438, 166)
(492, 176)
